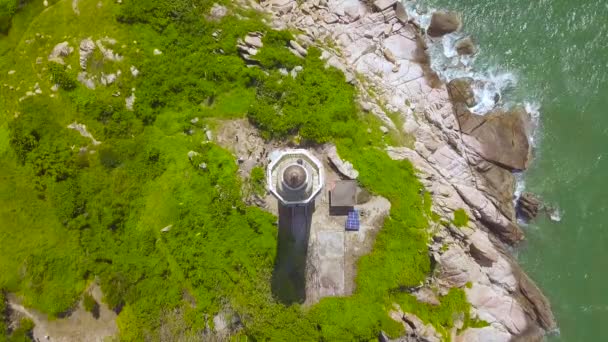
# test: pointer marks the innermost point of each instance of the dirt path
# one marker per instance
(79, 326)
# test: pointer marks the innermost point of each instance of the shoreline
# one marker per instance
(459, 162)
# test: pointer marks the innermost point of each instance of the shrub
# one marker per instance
(60, 76)
(258, 181)
(7, 10)
(461, 219)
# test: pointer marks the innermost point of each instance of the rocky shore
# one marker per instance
(465, 161)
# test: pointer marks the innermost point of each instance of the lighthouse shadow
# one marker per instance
(289, 274)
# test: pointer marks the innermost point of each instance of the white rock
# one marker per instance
(344, 167)
(494, 305)
(401, 47)
(134, 71)
(302, 51)
(157, 52)
(60, 50)
(82, 129)
(11, 72)
(218, 11)
(87, 46)
(192, 154)
(130, 102)
(254, 41)
(84, 79)
(485, 334)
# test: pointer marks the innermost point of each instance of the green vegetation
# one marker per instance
(7, 10)
(3, 318)
(461, 219)
(89, 302)
(72, 211)
(257, 181)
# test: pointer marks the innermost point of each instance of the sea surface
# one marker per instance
(552, 55)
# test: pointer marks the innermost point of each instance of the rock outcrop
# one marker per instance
(528, 206)
(465, 161)
(443, 23)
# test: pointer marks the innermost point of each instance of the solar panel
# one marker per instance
(352, 221)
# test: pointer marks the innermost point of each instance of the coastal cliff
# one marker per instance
(465, 161)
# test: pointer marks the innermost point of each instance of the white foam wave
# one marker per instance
(489, 85)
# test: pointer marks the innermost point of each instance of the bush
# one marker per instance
(60, 76)
(7, 10)
(461, 219)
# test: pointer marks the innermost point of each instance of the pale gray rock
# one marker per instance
(487, 212)
(84, 79)
(108, 79)
(482, 249)
(426, 295)
(130, 102)
(59, 51)
(82, 129)
(401, 13)
(485, 334)
(87, 46)
(456, 268)
(493, 305)
(401, 47)
(218, 11)
(108, 53)
(382, 5)
(345, 168)
(192, 154)
(254, 40)
(302, 51)
(134, 71)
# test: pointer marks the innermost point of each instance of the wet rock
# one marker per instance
(466, 46)
(500, 136)
(461, 92)
(528, 206)
(443, 23)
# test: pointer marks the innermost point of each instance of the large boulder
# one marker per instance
(465, 46)
(443, 23)
(528, 205)
(500, 136)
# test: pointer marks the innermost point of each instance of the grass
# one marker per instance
(71, 216)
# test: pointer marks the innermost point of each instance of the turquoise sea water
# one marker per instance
(558, 51)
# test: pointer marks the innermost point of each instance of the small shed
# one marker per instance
(343, 195)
